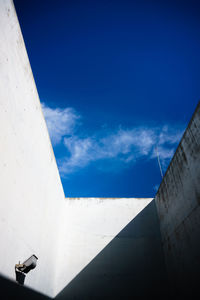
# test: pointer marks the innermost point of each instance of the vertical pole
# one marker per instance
(159, 162)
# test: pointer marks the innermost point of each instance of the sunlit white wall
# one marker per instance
(29, 180)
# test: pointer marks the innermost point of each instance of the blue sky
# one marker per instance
(116, 79)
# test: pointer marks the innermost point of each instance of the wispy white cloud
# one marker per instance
(167, 141)
(80, 154)
(127, 143)
(170, 135)
(124, 145)
(60, 122)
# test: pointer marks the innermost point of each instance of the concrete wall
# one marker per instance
(178, 201)
(110, 249)
(29, 180)
(116, 237)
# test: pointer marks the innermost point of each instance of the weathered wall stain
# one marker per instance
(178, 207)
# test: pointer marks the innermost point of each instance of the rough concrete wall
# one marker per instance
(110, 249)
(178, 201)
(29, 180)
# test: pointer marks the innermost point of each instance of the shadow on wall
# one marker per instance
(12, 290)
(130, 266)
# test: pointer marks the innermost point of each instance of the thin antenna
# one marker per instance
(159, 162)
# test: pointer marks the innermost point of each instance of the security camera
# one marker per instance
(24, 268)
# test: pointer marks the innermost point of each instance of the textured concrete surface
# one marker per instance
(178, 201)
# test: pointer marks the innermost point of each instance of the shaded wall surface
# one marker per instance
(88, 226)
(131, 266)
(13, 291)
(178, 204)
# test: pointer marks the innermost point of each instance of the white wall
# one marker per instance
(30, 185)
(111, 249)
(89, 224)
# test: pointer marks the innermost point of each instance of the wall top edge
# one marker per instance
(105, 198)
